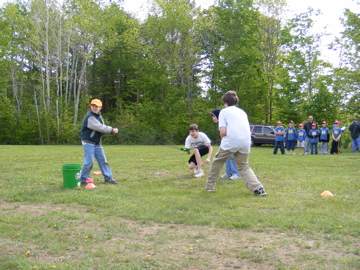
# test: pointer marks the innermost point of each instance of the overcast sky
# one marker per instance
(331, 10)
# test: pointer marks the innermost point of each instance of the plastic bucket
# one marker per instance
(71, 175)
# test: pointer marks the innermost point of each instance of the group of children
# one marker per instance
(234, 148)
(202, 146)
(303, 139)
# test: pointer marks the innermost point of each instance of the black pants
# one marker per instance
(203, 150)
(334, 147)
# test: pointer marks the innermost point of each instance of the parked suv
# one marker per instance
(262, 134)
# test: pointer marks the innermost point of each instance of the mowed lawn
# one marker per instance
(159, 217)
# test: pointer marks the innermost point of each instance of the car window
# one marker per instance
(268, 130)
(257, 129)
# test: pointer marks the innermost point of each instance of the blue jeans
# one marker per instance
(277, 145)
(314, 148)
(97, 152)
(355, 143)
(231, 166)
(290, 145)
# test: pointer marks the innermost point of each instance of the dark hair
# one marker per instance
(230, 98)
(215, 113)
(193, 127)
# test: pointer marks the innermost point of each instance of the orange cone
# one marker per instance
(326, 193)
(90, 185)
(97, 173)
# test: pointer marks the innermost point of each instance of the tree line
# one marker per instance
(159, 74)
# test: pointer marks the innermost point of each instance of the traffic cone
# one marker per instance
(90, 185)
(97, 173)
(326, 193)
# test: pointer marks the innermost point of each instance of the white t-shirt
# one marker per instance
(238, 136)
(202, 139)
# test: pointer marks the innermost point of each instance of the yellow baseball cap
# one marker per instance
(96, 102)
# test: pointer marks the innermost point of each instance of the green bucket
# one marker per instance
(71, 175)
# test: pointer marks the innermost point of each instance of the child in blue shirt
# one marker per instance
(279, 138)
(324, 138)
(301, 139)
(313, 135)
(336, 135)
(290, 138)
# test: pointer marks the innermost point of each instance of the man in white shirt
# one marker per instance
(235, 139)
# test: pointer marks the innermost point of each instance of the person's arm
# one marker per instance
(223, 132)
(187, 144)
(335, 139)
(338, 138)
(94, 124)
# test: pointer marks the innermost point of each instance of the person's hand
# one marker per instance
(207, 161)
(115, 131)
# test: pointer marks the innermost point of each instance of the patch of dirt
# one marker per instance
(168, 246)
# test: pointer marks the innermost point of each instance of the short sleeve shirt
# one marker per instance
(202, 139)
(238, 136)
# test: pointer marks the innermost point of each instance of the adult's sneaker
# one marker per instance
(196, 170)
(234, 177)
(260, 191)
(225, 176)
(199, 174)
(111, 181)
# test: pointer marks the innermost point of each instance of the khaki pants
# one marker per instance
(241, 161)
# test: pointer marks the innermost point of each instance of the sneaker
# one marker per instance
(199, 174)
(260, 191)
(294, 153)
(234, 177)
(196, 170)
(111, 181)
(83, 182)
(209, 189)
(225, 176)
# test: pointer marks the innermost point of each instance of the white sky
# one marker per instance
(332, 10)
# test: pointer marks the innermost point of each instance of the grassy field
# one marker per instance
(159, 217)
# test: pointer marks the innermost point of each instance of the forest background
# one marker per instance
(158, 75)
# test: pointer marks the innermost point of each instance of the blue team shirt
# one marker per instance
(279, 138)
(324, 132)
(301, 135)
(313, 135)
(290, 134)
(336, 132)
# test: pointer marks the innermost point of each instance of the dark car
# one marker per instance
(262, 134)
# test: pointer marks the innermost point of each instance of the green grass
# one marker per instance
(160, 217)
